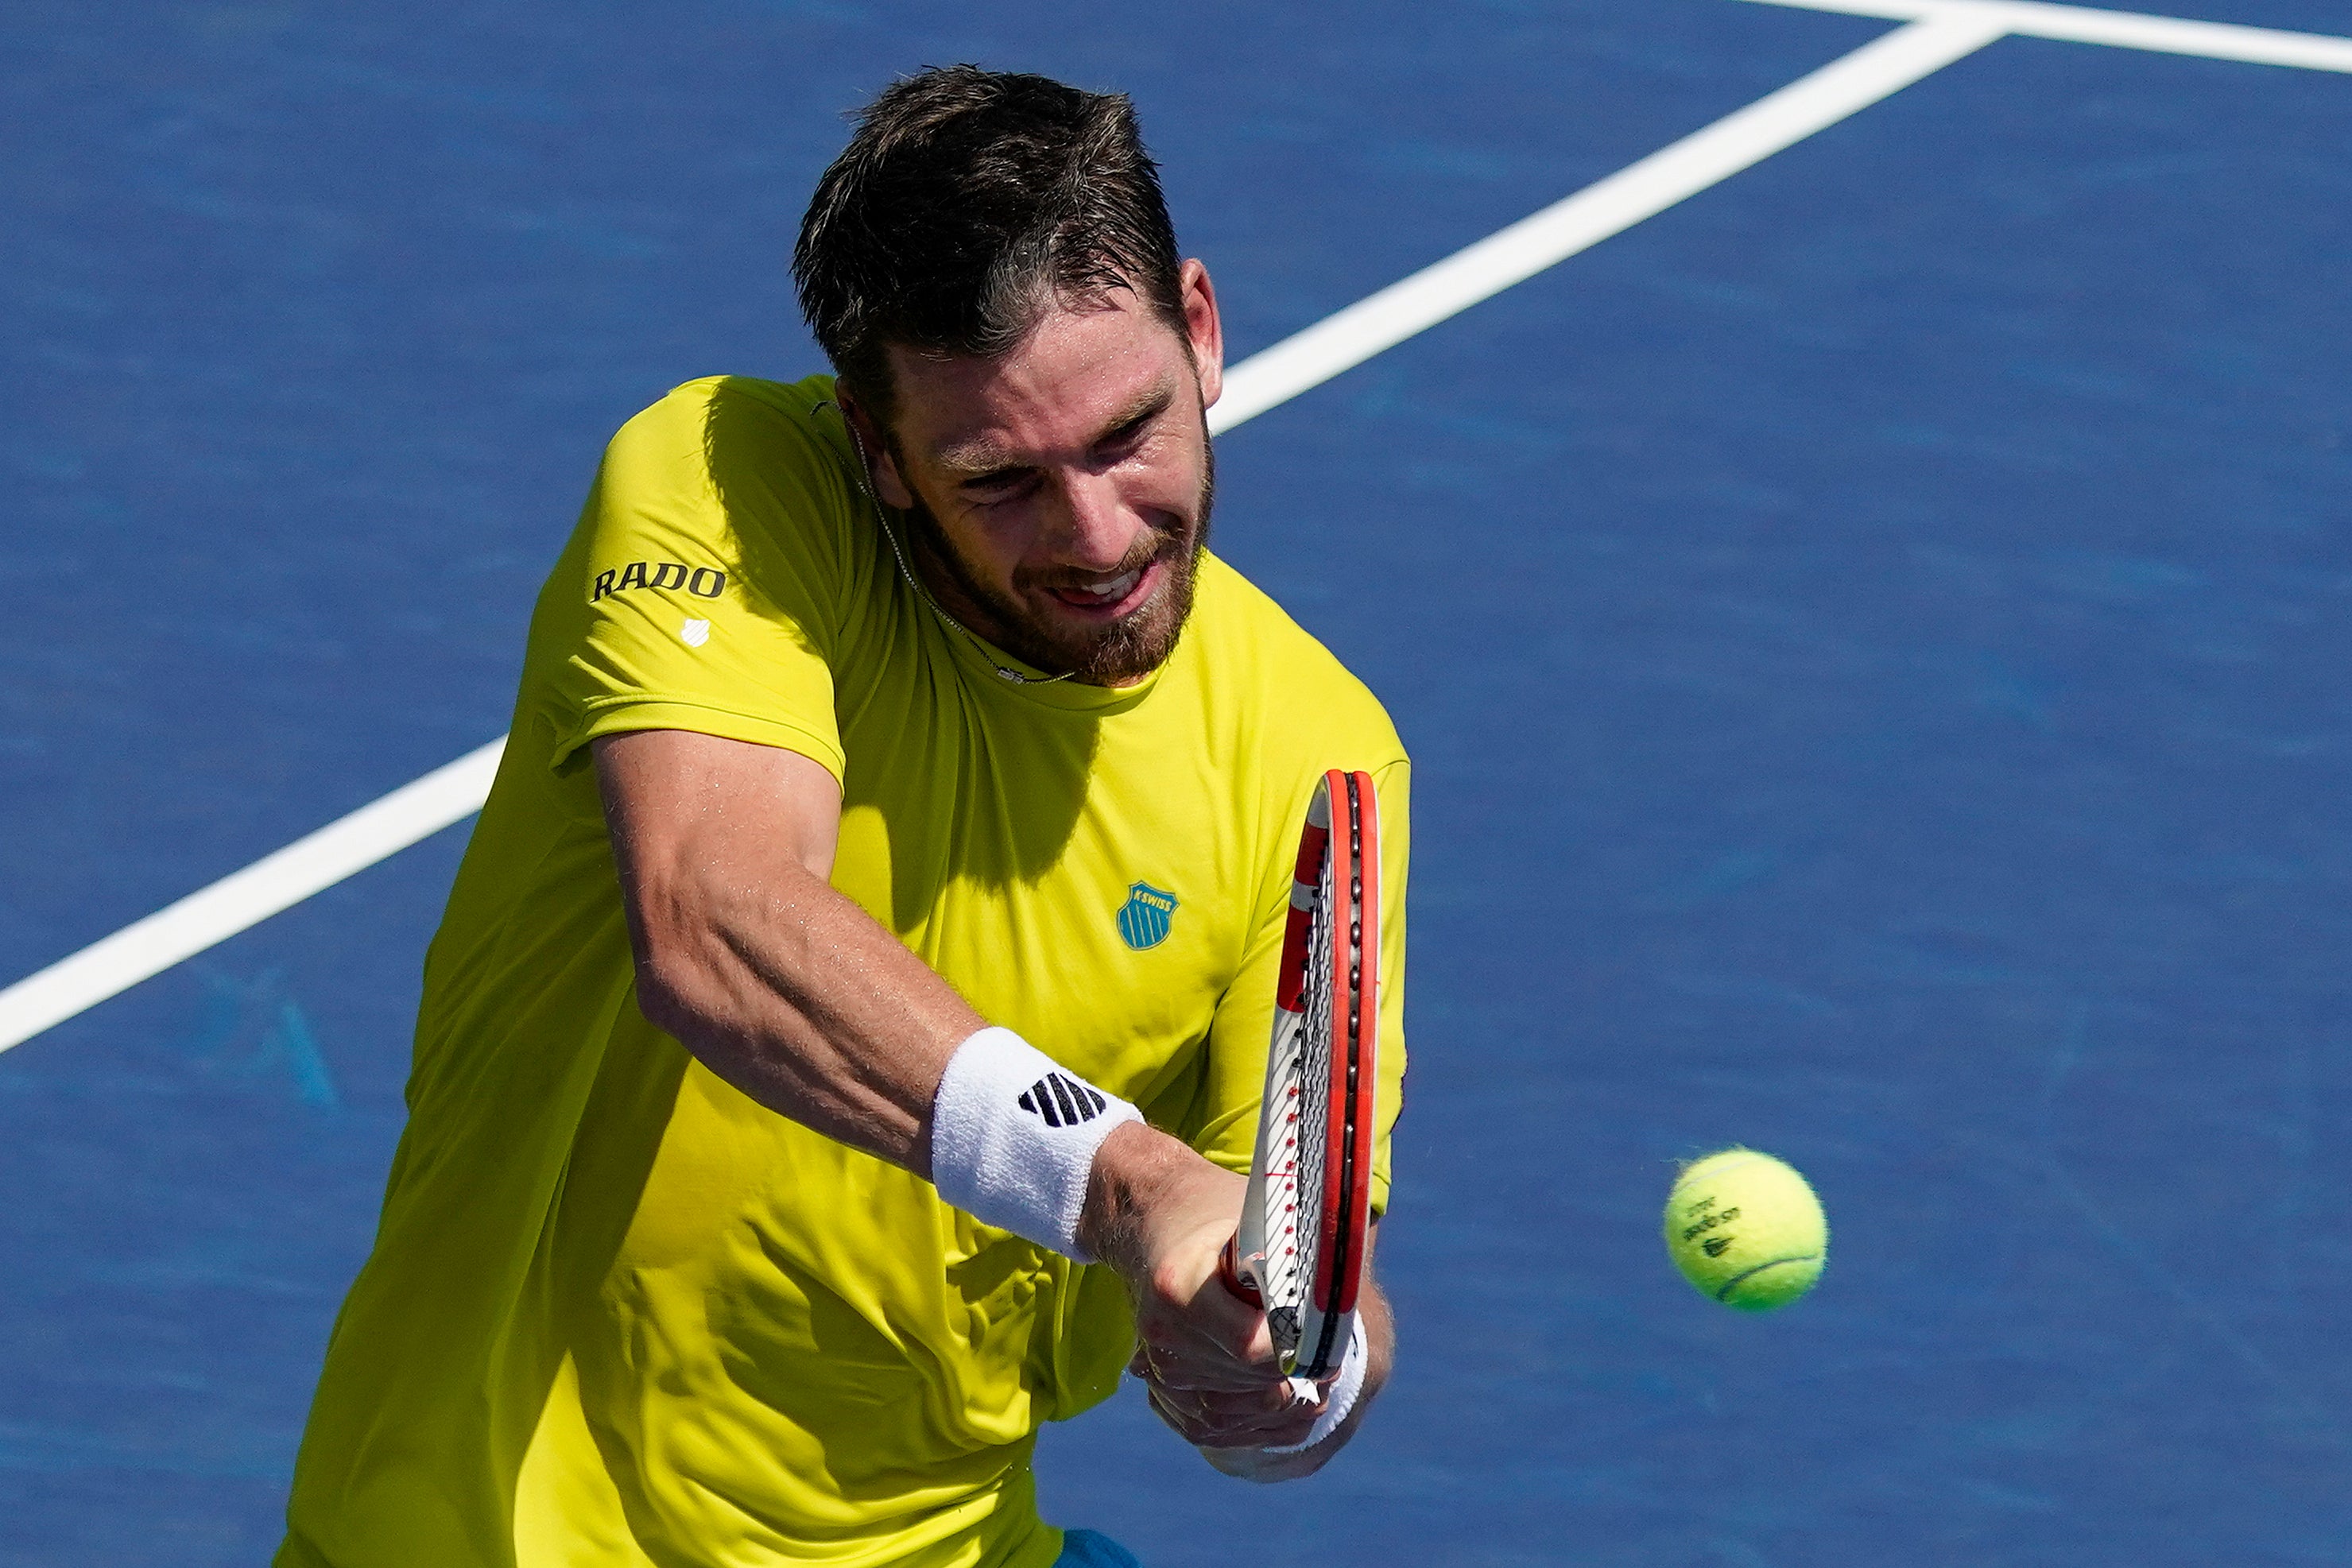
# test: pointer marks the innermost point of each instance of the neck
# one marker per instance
(939, 578)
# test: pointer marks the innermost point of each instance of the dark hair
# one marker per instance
(966, 203)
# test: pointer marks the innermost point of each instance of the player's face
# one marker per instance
(1061, 492)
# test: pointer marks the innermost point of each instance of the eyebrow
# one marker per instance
(978, 460)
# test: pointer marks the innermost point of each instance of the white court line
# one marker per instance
(274, 883)
(1772, 123)
(2122, 29)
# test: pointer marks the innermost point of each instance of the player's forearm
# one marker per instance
(773, 980)
(796, 997)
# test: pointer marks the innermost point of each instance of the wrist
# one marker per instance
(1013, 1137)
(1134, 1167)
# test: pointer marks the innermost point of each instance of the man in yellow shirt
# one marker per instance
(868, 732)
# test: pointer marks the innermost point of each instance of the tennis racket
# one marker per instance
(1299, 1253)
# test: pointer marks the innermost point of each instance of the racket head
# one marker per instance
(1306, 1222)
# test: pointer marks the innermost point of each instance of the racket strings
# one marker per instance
(1280, 1280)
(1307, 1105)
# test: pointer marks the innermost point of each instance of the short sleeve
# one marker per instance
(711, 572)
(1226, 1131)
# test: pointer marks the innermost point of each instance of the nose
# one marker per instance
(1098, 526)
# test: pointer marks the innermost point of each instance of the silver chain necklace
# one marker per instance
(865, 485)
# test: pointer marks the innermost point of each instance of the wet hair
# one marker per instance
(966, 204)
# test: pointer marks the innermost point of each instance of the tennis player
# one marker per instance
(851, 1014)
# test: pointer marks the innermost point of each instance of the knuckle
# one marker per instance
(1235, 1340)
(1168, 1282)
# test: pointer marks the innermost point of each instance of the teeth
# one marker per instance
(1117, 588)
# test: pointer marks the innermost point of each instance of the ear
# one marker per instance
(889, 486)
(1203, 328)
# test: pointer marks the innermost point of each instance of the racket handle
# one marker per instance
(1229, 1269)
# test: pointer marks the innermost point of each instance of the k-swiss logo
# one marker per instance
(1145, 917)
(1063, 1101)
(702, 581)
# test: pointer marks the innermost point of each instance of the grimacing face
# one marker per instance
(1059, 493)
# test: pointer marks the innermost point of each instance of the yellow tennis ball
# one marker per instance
(1747, 1230)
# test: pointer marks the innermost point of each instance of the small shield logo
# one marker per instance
(695, 634)
(1143, 919)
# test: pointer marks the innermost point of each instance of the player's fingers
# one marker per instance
(1208, 1373)
(1191, 1374)
(1252, 1435)
(1207, 1368)
(1268, 1402)
(1189, 1307)
(1205, 1432)
(1231, 1426)
(1258, 1417)
(1188, 1421)
(1204, 1415)
(1195, 1361)
(1290, 1426)
(1207, 1355)
(1293, 1411)
(1232, 1326)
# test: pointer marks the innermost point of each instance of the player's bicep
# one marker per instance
(677, 800)
(708, 834)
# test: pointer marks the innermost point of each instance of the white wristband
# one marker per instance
(1013, 1138)
(1345, 1392)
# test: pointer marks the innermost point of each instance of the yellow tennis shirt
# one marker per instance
(617, 1313)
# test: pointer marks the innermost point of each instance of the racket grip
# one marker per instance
(1229, 1269)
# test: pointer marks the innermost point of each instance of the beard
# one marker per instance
(1127, 649)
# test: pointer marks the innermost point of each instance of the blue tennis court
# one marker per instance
(1872, 637)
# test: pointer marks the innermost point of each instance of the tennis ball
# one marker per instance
(1746, 1229)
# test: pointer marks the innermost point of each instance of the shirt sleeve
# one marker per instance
(1234, 1073)
(710, 570)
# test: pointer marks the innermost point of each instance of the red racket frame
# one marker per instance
(1343, 1227)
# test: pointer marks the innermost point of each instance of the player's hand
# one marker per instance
(1221, 1421)
(1161, 1215)
(1255, 1464)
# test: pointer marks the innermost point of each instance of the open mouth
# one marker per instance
(1109, 596)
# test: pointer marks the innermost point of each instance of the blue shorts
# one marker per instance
(1087, 1549)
